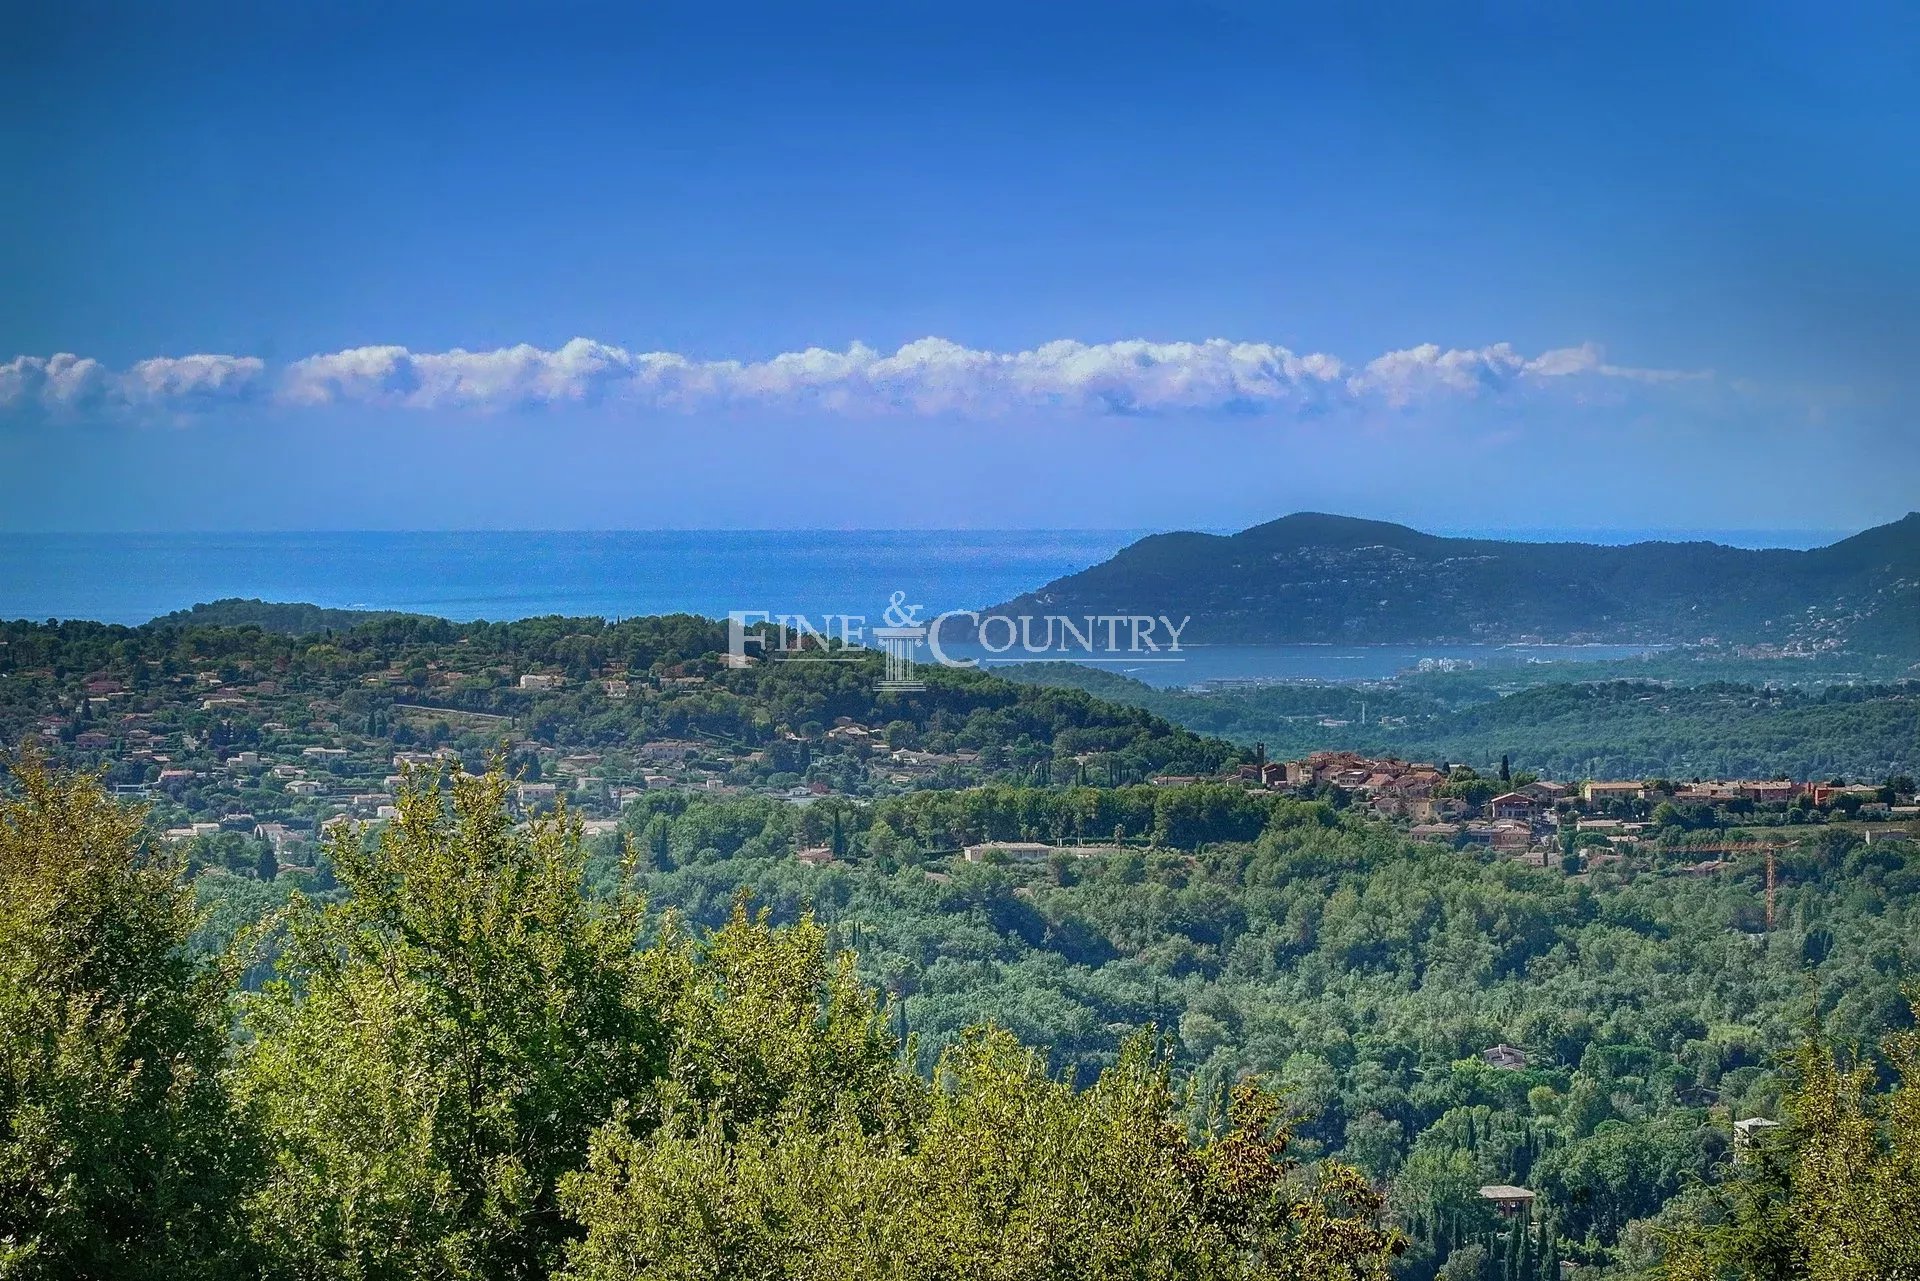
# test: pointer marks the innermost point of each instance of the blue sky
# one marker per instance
(1473, 266)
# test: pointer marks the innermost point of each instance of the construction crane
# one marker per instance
(1771, 849)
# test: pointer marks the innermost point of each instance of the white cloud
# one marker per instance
(63, 381)
(580, 372)
(180, 382)
(66, 383)
(928, 377)
(1401, 377)
(1587, 358)
(1426, 372)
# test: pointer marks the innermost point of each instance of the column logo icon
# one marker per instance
(902, 635)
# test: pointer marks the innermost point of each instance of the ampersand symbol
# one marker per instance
(899, 613)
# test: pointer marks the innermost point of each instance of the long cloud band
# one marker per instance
(931, 376)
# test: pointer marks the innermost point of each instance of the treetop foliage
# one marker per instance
(470, 1067)
(121, 1150)
(1833, 1194)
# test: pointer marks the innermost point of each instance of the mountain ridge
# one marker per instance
(1317, 577)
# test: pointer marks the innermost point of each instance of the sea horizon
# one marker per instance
(1787, 538)
(131, 578)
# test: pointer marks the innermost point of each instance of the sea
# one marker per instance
(129, 578)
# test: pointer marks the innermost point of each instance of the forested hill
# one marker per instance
(1573, 729)
(286, 619)
(1311, 578)
(220, 709)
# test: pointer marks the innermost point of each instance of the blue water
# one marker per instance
(1196, 665)
(130, 578)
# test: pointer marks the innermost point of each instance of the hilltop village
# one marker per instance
(1536, 819)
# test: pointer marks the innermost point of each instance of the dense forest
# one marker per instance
(1362, 975)
(495, 1050)
(1607, 728)
(468, 1067)
(973, 981)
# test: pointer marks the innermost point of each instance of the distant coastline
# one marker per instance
(130, 578)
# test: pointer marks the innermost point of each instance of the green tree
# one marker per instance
(442, 1043)
(121, 1152)
(1830, 1195)
(995, 1171)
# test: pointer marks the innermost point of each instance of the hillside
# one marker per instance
(1313, 578)
(1608, 728)
(1258, 934)
(286, 619)
(252, 728)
